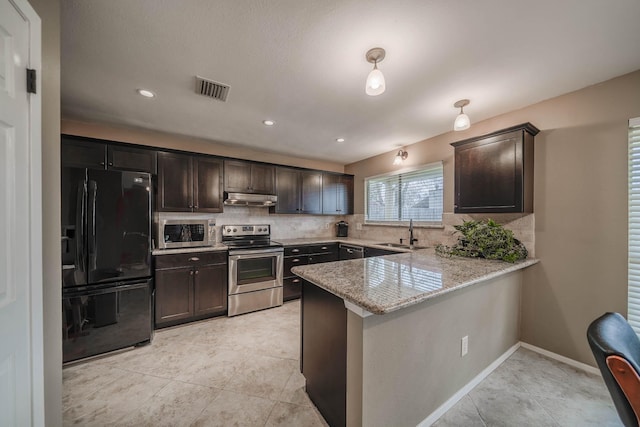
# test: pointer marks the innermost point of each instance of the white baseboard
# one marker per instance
(559, 358)
(433, 417)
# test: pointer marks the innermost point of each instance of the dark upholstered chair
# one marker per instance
(616, 348)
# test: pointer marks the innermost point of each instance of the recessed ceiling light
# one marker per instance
(268, 122)
(146, 93)
(340, 139)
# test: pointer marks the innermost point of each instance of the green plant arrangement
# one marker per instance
(484, 239)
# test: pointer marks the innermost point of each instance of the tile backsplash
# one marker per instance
(282, 226)
(300, 226)
(522, 225)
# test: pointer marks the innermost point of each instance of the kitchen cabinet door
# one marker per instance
(337, 194)
(311, 192)
(237, 176)
(82, 153)
(291, 288)
(263, 178)
(210, 287)
(249, 177)
(287, 190)
(121, 157)
(175, 182)
(494, 173)
(207, 184)
(174, 295)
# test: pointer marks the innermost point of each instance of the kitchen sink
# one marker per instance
(400, 245)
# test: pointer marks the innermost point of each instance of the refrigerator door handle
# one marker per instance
(80, 261)
(91, 226)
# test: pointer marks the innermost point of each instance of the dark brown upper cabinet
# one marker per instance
(189, 183)
(337, 194)
(494, 172)
(298, 191)
(100, 154)
(249, 177)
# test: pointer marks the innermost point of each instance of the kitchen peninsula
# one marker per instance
(381, 337)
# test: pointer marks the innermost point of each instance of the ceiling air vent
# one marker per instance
(211, 89)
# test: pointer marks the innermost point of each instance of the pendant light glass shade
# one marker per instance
(375, 82)
(462, 122)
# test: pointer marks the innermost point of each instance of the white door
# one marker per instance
(21, 400)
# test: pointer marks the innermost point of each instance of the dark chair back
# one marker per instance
(608, 335)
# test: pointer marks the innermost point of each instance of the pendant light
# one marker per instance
(375, 80)
(462, 121)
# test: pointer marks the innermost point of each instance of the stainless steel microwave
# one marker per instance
(185, 233)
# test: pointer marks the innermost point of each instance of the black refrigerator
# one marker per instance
(107, 289)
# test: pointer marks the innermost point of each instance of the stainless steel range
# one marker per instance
(255, 268)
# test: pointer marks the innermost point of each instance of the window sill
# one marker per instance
(405, 224)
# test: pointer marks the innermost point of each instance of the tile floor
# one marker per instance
(243, 371)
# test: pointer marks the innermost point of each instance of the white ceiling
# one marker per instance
(302, 64)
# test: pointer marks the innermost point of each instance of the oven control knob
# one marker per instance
(228, 230)
(260, 229)
(235, 229)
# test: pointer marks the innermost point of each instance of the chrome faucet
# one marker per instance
(411, 239)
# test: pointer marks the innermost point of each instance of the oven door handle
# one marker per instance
(248, 253)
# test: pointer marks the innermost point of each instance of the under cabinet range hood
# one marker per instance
(247, 199)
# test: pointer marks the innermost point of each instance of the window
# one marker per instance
(405, 195)
(633, 301)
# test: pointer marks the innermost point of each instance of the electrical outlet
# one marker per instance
(464, 348)
(327, 225)
(358, 226)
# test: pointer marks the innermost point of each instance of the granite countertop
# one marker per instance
(384, 284)
(216, 247)
(347, 240)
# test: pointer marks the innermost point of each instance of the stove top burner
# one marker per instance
(248, 237)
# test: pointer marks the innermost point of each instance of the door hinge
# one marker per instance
(31, 80)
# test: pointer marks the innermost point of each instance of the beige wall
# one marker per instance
(49, 12)
(181, 142)
(407, 376)
(580, 207)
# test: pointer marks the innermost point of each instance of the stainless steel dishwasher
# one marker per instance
(351, 252)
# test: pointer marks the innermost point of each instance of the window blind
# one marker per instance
(633, 300)
(415, 194)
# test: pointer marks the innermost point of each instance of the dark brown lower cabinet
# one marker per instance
(209, 296)
(174, 295)
(324, 352)
(190, 287)
(303, 255)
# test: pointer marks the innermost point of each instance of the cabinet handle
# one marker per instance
(110, 163)
(101, 163)
(295, 250)
(324, 248)
(191, 273)
(295, 281)
(196, 207)
(295, 260)
(195, 258)
(197, 271)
